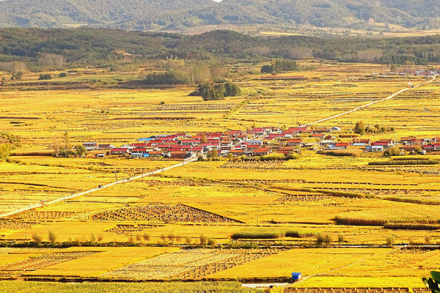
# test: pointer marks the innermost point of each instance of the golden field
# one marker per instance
(304, 195)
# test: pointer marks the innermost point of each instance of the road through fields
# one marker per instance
(64, 198)
(369, 104)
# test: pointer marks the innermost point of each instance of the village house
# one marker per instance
(177, 155)
(361, 141)
(318, 135)
(286, 150)
(190, 142)
(377, 148)
(90, 146)
(105, 147)
(325, 143)
(338, 146)
(237, 153)
(261, 151)
(322, 130)
(255, 142)
(432, 147)
(118, 151)
(410, 141)
(383, 145)
(294, 142)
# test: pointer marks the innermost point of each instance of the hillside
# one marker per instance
(84, 46)
(179, 14)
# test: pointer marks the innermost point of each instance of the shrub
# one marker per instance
(45, 77)
(328, 240)
(341, 238)
(359, 128)
(5, 151)
(390, 241)
(319, 240)
(203, 240)
(52, 238)
(394, 151)
(92, 240)
(211, 241)
(428, 239)
(37, 239)
(171, 237)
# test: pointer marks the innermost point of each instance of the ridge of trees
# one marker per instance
(179, 14)
(23, 49)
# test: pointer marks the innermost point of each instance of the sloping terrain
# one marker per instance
(179, 14)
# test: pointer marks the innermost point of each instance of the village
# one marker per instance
(258, 142)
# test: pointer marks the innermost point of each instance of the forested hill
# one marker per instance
(99, 46)
(179, 14)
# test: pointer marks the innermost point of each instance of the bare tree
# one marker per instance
(47, 59)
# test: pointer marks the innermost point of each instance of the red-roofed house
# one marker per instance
(139, 150)
(297, 129)
(155, 142)
(190, 142)
(261, 151)
(432, 147)
(141, 144)
(294, 142)
(237, 152)
(388, 141)
(338, 146)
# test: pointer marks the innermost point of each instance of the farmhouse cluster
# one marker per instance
(254, 142)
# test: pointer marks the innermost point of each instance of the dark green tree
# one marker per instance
(232, 90)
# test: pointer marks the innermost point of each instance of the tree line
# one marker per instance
(28, 48)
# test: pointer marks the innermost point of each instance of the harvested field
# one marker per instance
(164, 213)
(253, 165)
(303, 198)
(127, 229)
(188, 264)
(15, 225)
(42, 215)
(40, 262)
